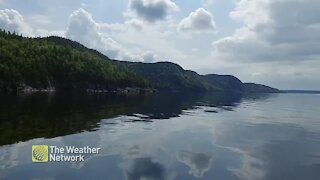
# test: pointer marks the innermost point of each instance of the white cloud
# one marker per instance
(150, 57)
(157, 38)
(84, 29)
(135, 23)
(277, 44)
(46, 33)
(12, 20)
(273, 30)
(199, 21)
(142, 37)
(152, 10)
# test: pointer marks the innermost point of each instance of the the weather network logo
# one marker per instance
(45, 153)
(40, 153)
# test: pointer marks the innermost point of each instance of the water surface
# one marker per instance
(164, 136)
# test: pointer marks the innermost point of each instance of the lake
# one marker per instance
(171, 136)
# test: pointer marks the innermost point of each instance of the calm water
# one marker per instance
(164, 136)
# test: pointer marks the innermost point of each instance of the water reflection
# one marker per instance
(251, 137)
(144, 168)
(198, 163)
(26, 117)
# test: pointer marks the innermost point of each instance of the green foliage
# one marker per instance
(44, 63)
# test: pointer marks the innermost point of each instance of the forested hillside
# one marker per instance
(42, 64)
(165, 76)
(61, 64)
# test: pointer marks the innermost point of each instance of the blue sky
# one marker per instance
(274, 42)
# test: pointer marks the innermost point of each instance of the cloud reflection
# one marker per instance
(145, 169)
(198, 163)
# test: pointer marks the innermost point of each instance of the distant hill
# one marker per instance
(300, 91)
(168, 76)
(258, 88)
(224, 82)
(59, 63)
(165, 76)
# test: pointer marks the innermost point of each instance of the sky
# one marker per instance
(272, 42)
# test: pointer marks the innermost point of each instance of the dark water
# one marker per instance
(164, 136)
